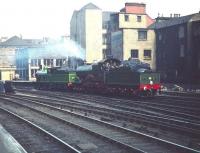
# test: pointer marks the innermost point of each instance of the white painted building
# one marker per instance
(86, 29)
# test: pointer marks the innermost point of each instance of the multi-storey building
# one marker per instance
(130, 35)
(90, 28)
(121, 35)
(106, 16)
(86, 30)
(178, 48)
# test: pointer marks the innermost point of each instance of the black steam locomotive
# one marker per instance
(106, 76)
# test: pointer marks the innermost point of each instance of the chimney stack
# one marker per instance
(135, 8)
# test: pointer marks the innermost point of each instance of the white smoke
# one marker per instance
(64, 48)
(61, 48)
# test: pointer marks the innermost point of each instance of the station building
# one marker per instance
(21, 58)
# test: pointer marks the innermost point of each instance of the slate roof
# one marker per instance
(90, 6)
(16, 41)
(171, 22)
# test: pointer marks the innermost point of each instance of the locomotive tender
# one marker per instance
(107, 76)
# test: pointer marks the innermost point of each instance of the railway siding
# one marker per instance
(147, 141)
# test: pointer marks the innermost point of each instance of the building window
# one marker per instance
(196, 31)
(181, 32)
(34, 62)
(104, 53)
(64, 61)
(126, 17)
(182, 52)
(51, 62)
(159, 36)
(58, 62)
(142, 35)
(134, 53)
(39, 62)
(33, 72)
(105, 25)
(104, 39)
(147, 54)
(139, 19)
(48, 62)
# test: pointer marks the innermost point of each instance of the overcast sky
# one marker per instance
(51, 18)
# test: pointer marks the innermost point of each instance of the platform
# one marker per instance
(8, 144)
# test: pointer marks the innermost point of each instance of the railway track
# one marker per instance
(162, 129)
(150, 107)
(138, 140)
(32, 137)
(159, 109)
(176, 118)
(179, 94)
(185, 105)
(170, 103)
(76, 136)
